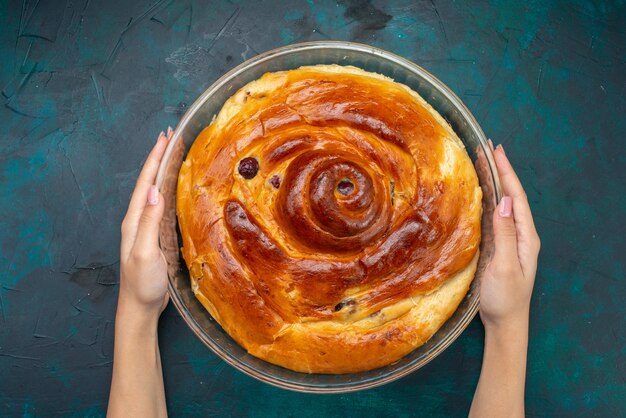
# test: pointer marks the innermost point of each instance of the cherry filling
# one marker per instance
(345, 187)
(275, 181)
(344, 303)
(248, 168)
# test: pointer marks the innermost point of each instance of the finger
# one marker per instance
(145, 180)
(505, 259)
(511, 186)
(148, 229)
(490, 142)
(148, 172)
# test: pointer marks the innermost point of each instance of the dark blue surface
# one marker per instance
(87, 86)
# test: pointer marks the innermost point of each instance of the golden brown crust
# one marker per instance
(354, 239)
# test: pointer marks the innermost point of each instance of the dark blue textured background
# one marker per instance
(87, 86)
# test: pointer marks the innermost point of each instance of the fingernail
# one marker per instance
(490, 144)
(501, 148)
(506, 206)
(161, 135)
(170, 131)
(153, 195)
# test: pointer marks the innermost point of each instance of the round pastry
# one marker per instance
(330, 219)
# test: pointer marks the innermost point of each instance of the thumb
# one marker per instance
(505, 233)
(148, 229)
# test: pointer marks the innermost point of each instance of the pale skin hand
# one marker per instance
(137, 385)
(505, 293)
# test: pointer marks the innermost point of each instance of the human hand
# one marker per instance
(507, 283)
(143, 269)
(137, 383)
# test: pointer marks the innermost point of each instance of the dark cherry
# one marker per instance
(248, 168)
(275, 181)
(343, 304)
(345, 187)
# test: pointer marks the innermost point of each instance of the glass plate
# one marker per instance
(200, 114)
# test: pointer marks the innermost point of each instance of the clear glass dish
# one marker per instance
(200, 114)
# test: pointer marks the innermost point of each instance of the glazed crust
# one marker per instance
(357, 236)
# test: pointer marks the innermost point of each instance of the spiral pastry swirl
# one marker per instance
(330, 219)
